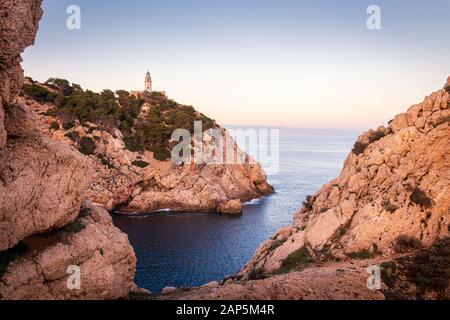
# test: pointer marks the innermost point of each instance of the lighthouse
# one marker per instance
(148, 82)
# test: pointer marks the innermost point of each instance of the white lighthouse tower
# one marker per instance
(148, 82)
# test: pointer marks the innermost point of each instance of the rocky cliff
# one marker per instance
(389, 207)
(43, 184)
(394, 182)
(132, 181)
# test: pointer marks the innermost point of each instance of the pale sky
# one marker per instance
(276, 63)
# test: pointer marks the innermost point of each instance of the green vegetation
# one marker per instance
(75, 226)
(275, 244)
(375, 136)
(78, 224)
(105, 161)
(161, 153)
(423, 275)
(257, 274)
(360, 147)
(361, 254)
(137, 295)
(389, 207)
(86, 146)
(164, 116)
(107, 108)
(430, 269)
(121, 110)
(308, 203)
(74, 136)
(419, 197)
(445, 119)
(299, 259)
(405, 243)
(38, 93)
(8, 256)
(140, 163)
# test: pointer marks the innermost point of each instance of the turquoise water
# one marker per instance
(189, 249)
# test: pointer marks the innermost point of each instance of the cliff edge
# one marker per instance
(44, 226)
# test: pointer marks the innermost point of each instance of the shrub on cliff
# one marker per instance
(388, 206)
(75, 227)
(424, 275)
(104, 161)
(161, 153)
(38, 93)
(419, 197)
(74, 136)
(8, 256)
(86, 146)
(445, 119)
(308, 203)
(63, 86)
(257, 274)
(360, 147)
(73, 102)
(121, 110)
(54, 125)
(361, 254)
(375, 136)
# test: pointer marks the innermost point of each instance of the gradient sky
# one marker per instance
(255, 62)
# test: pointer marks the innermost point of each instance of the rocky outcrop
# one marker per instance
(420, 274)
(134, 182)
(103, 254)
(232, 207)
(332, 281)
(395, 182)
(43, 183)
(18, 28)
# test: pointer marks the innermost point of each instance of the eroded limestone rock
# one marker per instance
(395, 182)
(102, 252)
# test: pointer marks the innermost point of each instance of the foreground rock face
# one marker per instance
(232, 207)
(135, 182)
(395, 182)
(106, 260)
(43, 183)
(18, 28)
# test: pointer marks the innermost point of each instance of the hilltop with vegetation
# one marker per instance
(127, 139)
(119, 109)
